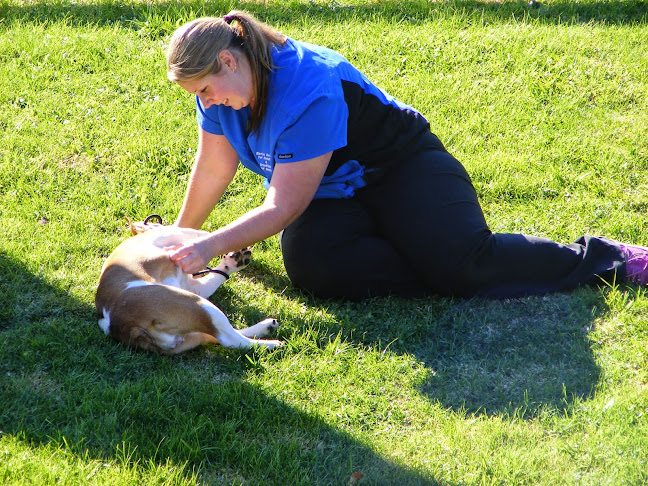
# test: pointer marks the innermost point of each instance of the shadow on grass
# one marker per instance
(518, 357)
(513, 357)
(63, 383)
(137, 15)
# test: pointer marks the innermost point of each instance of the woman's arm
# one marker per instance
(292, 188)
(214, 168)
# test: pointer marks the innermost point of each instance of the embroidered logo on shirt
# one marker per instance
(264, 161)
(284, 156)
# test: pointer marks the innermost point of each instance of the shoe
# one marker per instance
(636, 263)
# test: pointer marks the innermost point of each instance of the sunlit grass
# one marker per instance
(547, 108)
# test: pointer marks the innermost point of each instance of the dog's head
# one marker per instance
(138, 227)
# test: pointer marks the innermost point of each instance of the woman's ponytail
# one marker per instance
(257, 40)
(194, 48)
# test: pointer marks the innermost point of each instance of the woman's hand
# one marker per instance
(192, 256)
(291, 190)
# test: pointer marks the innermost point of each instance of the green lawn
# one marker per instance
(546, 105)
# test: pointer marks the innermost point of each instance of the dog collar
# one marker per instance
(211, 270)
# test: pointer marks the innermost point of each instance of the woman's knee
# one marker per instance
(356, 269)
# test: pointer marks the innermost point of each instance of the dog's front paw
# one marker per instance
(236, 260)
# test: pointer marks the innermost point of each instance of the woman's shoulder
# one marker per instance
(306, 55)
(302, 68)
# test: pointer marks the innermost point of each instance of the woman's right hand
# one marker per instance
(193, 255)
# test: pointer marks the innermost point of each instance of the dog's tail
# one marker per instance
(140, 338)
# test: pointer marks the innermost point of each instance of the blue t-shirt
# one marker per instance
(318, 103)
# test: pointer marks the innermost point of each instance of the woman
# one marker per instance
(369, 201)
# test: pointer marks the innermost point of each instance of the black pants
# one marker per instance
(418, 230)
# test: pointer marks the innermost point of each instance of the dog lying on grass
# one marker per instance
(143, 300)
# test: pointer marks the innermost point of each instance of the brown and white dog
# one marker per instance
(145, 301)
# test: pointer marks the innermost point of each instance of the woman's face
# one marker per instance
(231, 86)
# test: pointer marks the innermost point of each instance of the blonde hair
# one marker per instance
(194, 48)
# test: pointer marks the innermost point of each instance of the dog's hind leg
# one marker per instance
(170, 320)
(167, 344)
(190, 341)
(260, 329)
(229, 337)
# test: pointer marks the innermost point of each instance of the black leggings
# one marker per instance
(420, 230)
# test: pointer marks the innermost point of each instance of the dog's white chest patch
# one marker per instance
(176, 281)
(137, 283)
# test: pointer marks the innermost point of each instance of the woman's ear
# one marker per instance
(227, 59)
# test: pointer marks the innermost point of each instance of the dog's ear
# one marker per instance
(138, 227)
(131, 227)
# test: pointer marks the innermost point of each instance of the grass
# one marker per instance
(547, 107)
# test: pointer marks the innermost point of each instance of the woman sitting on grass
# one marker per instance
(369, 200)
